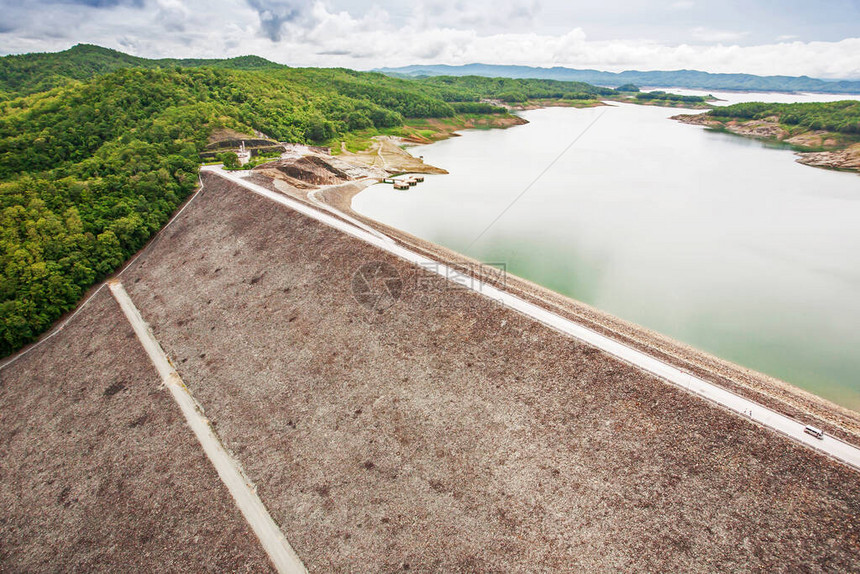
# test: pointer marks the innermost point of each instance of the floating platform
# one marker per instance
(404, 182)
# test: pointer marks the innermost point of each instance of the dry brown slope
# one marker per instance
(448, 435)
(768, 391)
(98, 470)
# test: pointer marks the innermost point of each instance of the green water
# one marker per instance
(712, 239)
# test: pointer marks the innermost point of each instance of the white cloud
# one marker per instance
(311, 34)
(709, 35)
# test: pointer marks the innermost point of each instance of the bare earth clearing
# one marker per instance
(385, 154)
(447, 434)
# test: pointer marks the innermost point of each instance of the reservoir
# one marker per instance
(719, 241)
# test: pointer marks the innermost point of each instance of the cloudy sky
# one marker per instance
(793, 37)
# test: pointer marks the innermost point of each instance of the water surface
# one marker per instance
(716, 240)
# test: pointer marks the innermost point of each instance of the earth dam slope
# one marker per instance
(446, 433)
(99, 471)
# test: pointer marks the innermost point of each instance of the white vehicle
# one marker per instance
(814, 431)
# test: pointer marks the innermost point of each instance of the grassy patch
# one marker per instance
(360, 140)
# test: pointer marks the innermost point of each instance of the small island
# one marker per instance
(824, 134)
(669, 100)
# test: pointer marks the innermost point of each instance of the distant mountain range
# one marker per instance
(30, 73)
(671, 79)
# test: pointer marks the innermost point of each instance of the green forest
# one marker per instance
(516, 91)
(667, 97)
(99, 148)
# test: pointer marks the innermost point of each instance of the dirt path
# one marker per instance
(361, 184)
(284, 558)
(100, 471)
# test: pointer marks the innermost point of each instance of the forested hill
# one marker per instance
(31, 73)
(98, 148)
(836, 117)
(663, 79)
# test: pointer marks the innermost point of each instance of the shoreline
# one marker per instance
(815, 148)
(364, 146)
(430, 130)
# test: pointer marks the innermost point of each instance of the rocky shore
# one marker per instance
(847, 159)
(832, 156)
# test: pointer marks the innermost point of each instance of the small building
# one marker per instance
(243, 154)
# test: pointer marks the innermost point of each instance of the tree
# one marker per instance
(229, 159)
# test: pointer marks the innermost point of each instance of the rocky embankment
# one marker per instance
(848, 158)
(839, 157)
(308, 168)
(767, 128)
